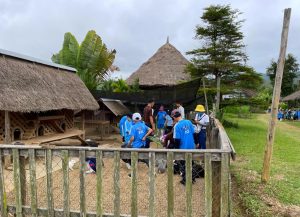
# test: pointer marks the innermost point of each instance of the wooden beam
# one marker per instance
(7, 139)
(276, 96)
(83, 124)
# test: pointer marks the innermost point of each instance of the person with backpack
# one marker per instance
(202, 121)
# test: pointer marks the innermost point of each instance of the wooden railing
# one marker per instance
(21, 200)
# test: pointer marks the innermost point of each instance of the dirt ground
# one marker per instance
(125, 187)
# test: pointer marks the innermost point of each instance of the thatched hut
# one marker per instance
(293, 99)
(164, 69)
(38, 99)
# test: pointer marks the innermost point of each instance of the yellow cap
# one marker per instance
(200, 108)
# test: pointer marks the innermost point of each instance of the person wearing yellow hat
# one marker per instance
(202, 121)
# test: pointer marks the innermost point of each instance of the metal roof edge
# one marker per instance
(32, 59)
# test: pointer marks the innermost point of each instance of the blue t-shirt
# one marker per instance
(127, 128)
(138, 131)
(121, 125)
(161, 117)
(169, 121)
(184, 131)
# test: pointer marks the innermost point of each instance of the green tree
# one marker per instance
(291, 67)
(120, 86)
(91, 58)
(222, 51)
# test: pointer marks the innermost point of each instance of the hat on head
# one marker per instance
(136, 116)
(200, 108)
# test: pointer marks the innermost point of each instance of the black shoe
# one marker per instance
(182, 182)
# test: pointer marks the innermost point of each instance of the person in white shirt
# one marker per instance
(202, 121)
(180, 109)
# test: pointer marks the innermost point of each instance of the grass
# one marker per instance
(249, 141)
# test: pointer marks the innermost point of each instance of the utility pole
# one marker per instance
(276, 96)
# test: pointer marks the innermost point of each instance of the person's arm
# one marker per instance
(147, 134)
(152, 122)
(130, 142)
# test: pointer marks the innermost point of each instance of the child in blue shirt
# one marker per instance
(161, 118)
(121, 127)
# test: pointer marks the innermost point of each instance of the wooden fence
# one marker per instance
(216, 190)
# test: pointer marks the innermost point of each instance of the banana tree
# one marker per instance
(92, 59)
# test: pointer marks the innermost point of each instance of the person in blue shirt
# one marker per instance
(127, 128)
(161, 118)
(183, 139)
(168, 123)
(122, 128)
(139, 132)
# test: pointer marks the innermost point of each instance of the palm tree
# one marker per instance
(92, 59)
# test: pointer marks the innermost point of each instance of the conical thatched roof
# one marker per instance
(27, 84)
(293, 96)
(165, 68)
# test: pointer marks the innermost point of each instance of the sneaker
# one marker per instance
(90, 171)
(128, 166)
(182, 182)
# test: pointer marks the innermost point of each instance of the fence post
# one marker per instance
(3, 198)
(49, 183)
(33, 193)
(208, 185)
(99, 183)
(170, 169)
(65, 168)
(134, 160)
(225, 185)
(82, 183)
(17, 182)
(117, 183)
(188, 188)
(151, 184)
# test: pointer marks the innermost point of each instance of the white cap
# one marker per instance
(136, 116)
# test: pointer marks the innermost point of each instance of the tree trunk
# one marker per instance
(218, 78)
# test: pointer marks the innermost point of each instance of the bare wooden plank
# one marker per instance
(225, 185)
(208, 185)
(188, 187)
(7, 139)
(17, 182)
(170, 170)
(51, 117)
(83, 123)
(134, 160)
(49, 183)
(117, 184)
(82, 184)
(3, 199)
(66, 190)
(276, 97)
(99, 169)
(151, 184)
(23, 179)
(33, 187)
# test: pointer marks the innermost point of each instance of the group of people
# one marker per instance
(288, 114)
(175, 131)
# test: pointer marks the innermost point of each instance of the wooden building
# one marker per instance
(38, 100)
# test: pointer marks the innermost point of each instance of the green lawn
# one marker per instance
(249, 141)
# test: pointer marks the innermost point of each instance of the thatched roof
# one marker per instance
(27, 84)
(293, 96)
(165, 68)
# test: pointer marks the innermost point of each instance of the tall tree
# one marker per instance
(92, 59)
(222, 51)
(290, 70)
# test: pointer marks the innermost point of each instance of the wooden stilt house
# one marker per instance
(38, 100)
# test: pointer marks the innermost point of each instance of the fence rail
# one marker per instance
(43, 183)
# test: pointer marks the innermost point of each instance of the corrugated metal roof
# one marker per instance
(35, 60)
(116, 106)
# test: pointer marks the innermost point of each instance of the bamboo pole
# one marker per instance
(276, 96)
(205, 96)
(7, 139)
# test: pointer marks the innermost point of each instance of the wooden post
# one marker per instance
(83, 123)
(276, 96)
(205, 97)
(170, 186)
(7, 140)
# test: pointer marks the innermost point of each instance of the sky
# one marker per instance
(137, 28)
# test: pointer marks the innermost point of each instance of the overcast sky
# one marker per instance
(137, 28)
